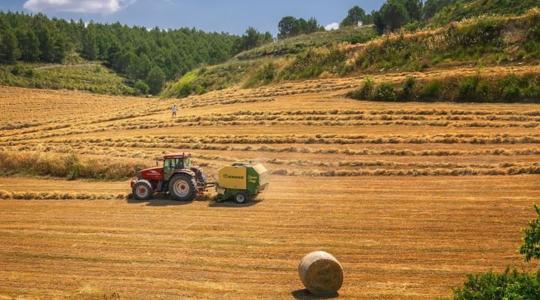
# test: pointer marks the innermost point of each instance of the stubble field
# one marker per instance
(410, 197)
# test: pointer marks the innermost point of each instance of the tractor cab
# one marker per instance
(175, 162)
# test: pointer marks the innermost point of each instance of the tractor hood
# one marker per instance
(151, 173)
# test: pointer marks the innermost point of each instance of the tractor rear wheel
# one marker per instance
(142, 191)
(241, 198)
(182, 187)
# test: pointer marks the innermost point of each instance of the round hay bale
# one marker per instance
(321, 273)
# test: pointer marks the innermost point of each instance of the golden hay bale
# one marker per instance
(321, 273)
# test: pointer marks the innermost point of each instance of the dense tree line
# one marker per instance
(356, 16)
(393, 14)
(30, 39)
(291, 26)
(146, 57)
(251, 39)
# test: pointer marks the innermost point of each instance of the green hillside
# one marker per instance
(75, 75)
(147, 57)
(480, 41)
(261, 65)
(298, 44)
(462, 9)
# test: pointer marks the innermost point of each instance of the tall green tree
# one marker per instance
(311, 25)
(89, 44)
(139, 67)
(393, 15)
(414, 9)
(431, 7)
(251, 39)
(155, 80)
(291, 26)
(288, 27)
(29, 45)
(45, 43)
(355, 15)
(59, 49)
(9, 51)
(378, 22)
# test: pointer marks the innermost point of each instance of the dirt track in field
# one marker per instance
(396, 237)
(401, 227)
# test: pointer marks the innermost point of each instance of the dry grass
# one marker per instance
(409, 197)
(396, 237)
(62, 165)
(7, 195)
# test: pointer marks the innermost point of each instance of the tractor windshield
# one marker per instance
(177, 163)
(173, 163)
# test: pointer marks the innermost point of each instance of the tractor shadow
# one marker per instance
(164, 200)
(304, 294)
(159, 200)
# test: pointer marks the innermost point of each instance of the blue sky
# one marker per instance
(210, 15)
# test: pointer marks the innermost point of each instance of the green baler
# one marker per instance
(242, 181)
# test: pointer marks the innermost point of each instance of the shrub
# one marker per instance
(142, 87)
(385, 92)
(29, 73)
(431, 91)
(467, 89)
(16, 70)
(532, 93)
(510, 284)
(530, 247)
(365, 92)
(493, 286)
(407, 91)
(264, 75)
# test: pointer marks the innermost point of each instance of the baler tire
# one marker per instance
(183, 181)
(141, 185)
(241, 198)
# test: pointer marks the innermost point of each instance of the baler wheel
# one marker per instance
(241, 198)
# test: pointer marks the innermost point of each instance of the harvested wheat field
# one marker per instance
(409, 197)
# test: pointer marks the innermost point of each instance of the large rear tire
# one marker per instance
(182, 187)
(142, 191)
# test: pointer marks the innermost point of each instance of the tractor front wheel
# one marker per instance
(241, 198)
(182, 187)
(142, 191)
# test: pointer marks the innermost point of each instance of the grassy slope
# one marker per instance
(250, 68)
(481, 41)
(298, 44)
(466, 9)
(75, 74)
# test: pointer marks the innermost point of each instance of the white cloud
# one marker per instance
(332, 26)
(77, 6)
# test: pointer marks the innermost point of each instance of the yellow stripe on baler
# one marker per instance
(233, 178)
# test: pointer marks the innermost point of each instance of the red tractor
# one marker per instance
(178, 177)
